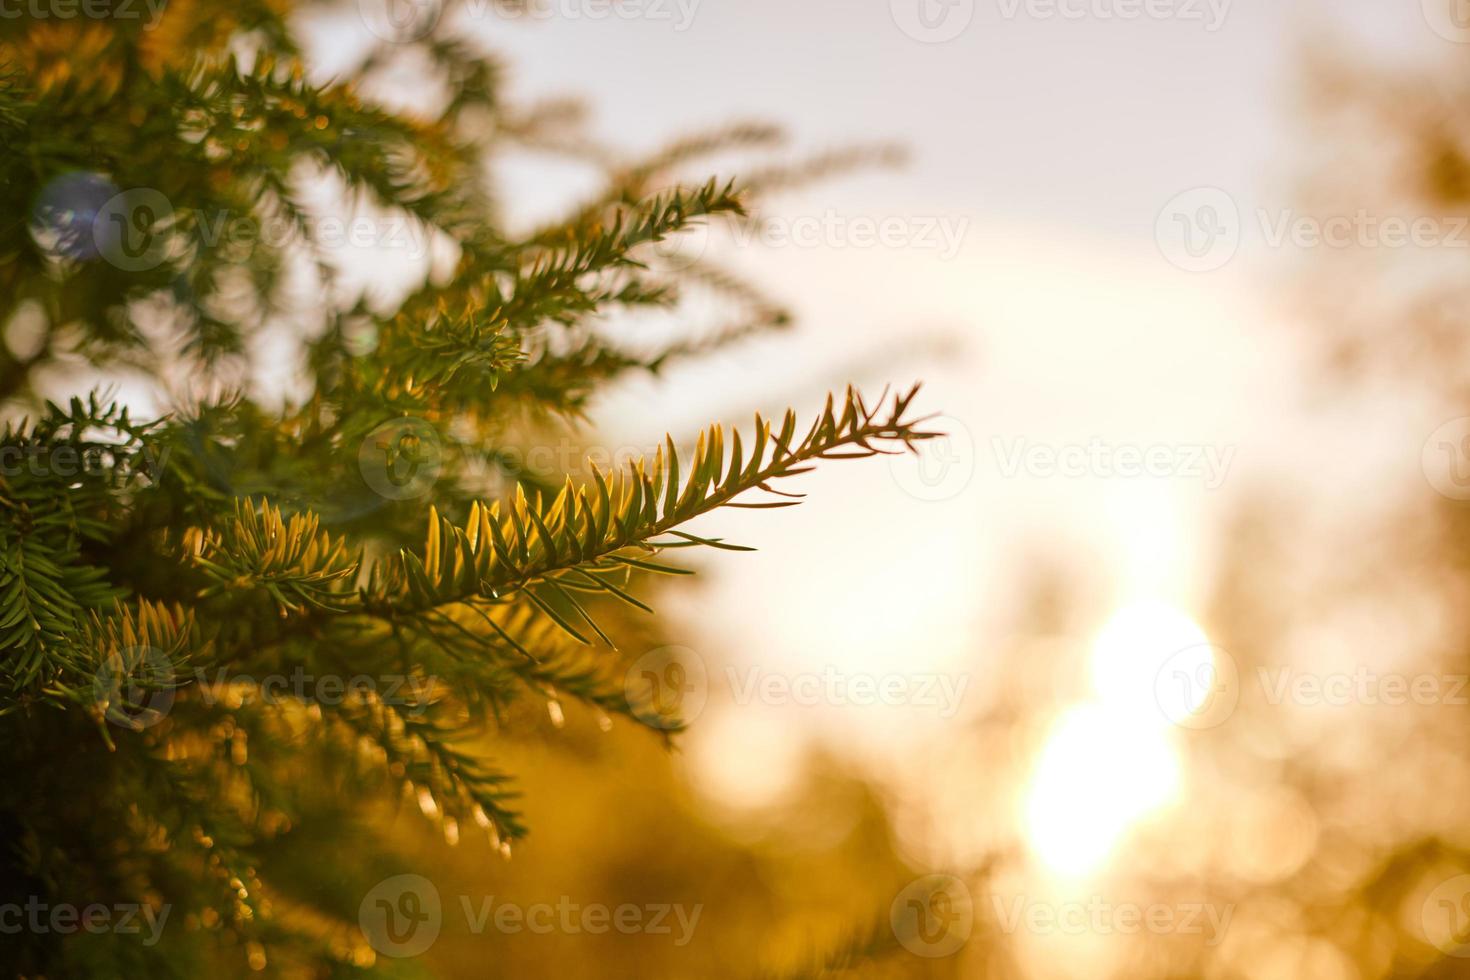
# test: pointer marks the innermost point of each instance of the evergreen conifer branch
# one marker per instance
(237, 540)
(613, 525)
(292, 560)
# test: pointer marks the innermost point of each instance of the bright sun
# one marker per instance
(1112, 761)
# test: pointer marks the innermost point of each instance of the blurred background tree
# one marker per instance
(1331, 820)
(339, 480)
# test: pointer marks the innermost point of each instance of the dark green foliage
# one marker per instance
(144, 599)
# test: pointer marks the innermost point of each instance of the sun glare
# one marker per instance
(1099, 773)
(1111, 762)
(1147, 660)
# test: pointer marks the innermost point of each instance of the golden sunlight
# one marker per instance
(1099, 773)
(1153, 662)
(1111, 762)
